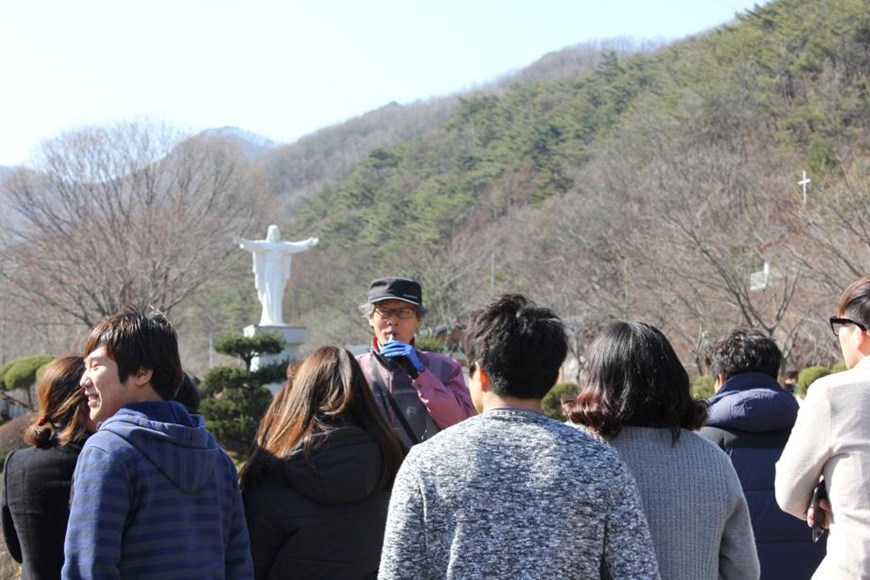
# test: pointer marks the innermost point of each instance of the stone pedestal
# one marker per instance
(294, 336)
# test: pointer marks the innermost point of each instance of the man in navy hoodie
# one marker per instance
(153, 493)
(751, 417)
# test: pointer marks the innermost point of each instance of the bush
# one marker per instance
(233, 416)
(248, 347)
(3, 370)
(234, 399)
(808, 376)
(703, 387)
(839, 367)
(41, 371)
(272, 373)
(221, 378)
(552, 403)
(430, 343)
(22, 374)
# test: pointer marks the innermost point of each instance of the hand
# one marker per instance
(822, 516)
(405, 355)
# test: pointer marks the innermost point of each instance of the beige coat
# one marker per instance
(832, 438)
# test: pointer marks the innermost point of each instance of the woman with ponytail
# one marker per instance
(36, 490)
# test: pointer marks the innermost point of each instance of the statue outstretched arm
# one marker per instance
(280, 246)
(299, 246)
(243, 243)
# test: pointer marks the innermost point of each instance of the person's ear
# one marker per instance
(142, 377)
(720, 380)
(483, 378)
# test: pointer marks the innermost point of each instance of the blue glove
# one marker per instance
(405, 355)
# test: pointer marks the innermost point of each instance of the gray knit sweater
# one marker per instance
(512, 494)
(694, 504)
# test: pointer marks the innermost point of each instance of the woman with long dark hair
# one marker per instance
(317, 484)
(37, 479)
(636, 396)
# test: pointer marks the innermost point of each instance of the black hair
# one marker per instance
(138, 341)
(188, 392)
(519, 344)
(633, 377)
(744, 350)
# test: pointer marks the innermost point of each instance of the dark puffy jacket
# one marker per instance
(751, 419)
(319, 519)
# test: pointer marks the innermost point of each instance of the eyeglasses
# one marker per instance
(400, 313)
(838, 323)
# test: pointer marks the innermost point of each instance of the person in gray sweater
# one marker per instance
(636, 396)
(510, 493)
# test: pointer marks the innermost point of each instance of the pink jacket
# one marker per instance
(441, 387)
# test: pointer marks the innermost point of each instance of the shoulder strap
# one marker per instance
(385, 395)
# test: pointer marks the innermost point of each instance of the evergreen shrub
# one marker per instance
(552, 403)
(703, 387)
(808, 376)
(22, 374)
(429, 343)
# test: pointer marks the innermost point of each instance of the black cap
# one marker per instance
(395, 289)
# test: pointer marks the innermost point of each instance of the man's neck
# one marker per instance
(863, 359)
(492, 401)
(145, 394)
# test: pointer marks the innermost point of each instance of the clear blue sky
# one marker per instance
(284, 68)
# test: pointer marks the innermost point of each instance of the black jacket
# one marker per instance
(35, 504)
(323, 519)
(750, 419)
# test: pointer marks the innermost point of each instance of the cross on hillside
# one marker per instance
(804, 182)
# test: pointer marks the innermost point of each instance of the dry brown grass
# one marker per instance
(9, 568)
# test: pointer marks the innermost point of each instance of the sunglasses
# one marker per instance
(838, 323)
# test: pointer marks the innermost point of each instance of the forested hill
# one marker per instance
(524, 146)
(650, 187)
(302, 169)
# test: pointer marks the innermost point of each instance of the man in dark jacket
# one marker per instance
(751, 417)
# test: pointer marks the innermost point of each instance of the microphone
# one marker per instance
(401, 363)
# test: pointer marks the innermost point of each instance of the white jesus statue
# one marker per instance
(272, 270)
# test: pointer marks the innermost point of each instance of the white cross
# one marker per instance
(804, 182)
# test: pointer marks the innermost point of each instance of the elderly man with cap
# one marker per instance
(419, 392)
